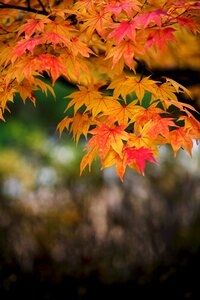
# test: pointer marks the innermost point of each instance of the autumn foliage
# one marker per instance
(98, 46)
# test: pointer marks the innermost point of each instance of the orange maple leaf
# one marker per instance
(88, 159)
(121, 113)
(179, 138)
(79, 124)
(113, 158)
(99, 104)
(85, 96)
(160, 126)
(76, 67)
(192, 125)
(165, 91)
(125, 85)
(126, 49)
(26, 91)
(98, 21)
(62, 28)
(78, 47)
(106, 137)
(142, 139)
(178, 87)
(142, 115)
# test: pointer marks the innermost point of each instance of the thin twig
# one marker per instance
(23, 8)
(28, 3)
(43, 7)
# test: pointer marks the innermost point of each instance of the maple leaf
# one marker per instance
(88, 159)
(85, 96)
(192, 125)
(178, 138)
(62, 28)
(142, 138)
(187, 4)
(43, 86)
(133, 157)
(65, 123)
(113, 158)
(125, 85)
(138, 157)
(178, 87)
(33, 25)
(77, 69)
(128, 7)
(160, 126)
(164, 92)
(56, 39)
(106, 137)
(187, 22)
(79, 47)
(152, 18)
(25, 90)
(160, 37)
(167, 103)
(126, 50)
(79, 124)
(121, 113)
(142, 115)
(84, 5)
(125, 28)
(51, 64)
(96, 21)
(7, 95)
(23, 45)
(99, 104)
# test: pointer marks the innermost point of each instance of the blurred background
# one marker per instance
(63, 236)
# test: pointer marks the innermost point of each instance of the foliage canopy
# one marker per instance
(98, 46)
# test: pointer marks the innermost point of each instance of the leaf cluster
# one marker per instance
(97, 45)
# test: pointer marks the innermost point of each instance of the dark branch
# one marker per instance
(28, 3)
(43, 7)
(23, 8)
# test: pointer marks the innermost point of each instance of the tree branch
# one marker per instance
(28, 3)
(43, 7)
(23, 8)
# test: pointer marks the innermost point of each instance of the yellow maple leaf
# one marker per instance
(125, 85)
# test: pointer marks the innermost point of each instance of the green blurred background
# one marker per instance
(63, 236)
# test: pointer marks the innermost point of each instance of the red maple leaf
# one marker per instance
(34, 25)
(139, 157)
(23, 45)
(123, 6)
(125, 28)
(155, 17)
(160, 37)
